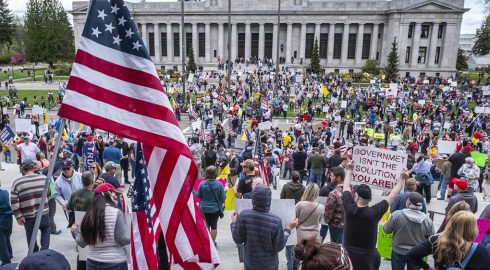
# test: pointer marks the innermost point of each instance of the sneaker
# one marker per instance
(58, 232)
(440, 199)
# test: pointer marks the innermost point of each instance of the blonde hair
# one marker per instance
(311, 193)
(411, 184)
(455, 241)
(457, 207)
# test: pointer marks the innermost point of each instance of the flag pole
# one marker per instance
(40, 210)
(183, 37)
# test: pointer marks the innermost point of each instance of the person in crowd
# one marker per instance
(410, 226)
(423, 177)
(471, 173)
(255, 182)
(100, 146)
(89, 153)
(299, 161)
(452, 246)
(27, 149)
(293, 189)
(334, 209)
(261, 232)
(316, 164)
(361, 244)
(5, 227)
(445, 176)
(124, 162)
(244, 184)
(95, 169)
(464, 194)
(210, 157)
(401, 199)
(235, 168)
(457, 160)
(457, 207)
(41, 162)
(212, 195)
(313, 255)
(288, 162)
(68, 182)
(104, 230)
(112, 153)
(44, 259)
(25, 199)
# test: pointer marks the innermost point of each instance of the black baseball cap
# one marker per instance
(364, 191)
(28, 163)
(43, 260)
(67, 164)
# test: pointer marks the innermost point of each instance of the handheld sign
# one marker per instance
(6, 135)
(378, 168)
(23, 125)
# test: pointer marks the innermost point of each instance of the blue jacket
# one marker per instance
(5, 210)
(261, 232)
(208, 202)
(400, 203)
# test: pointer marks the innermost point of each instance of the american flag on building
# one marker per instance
(113, 86)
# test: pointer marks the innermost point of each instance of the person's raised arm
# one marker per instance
(398, 187)
(348, 176)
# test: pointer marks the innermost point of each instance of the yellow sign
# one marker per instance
(370, 131)
(325, 90)
(379, 136)
(230, 199)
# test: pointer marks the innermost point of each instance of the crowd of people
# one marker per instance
(240, 134)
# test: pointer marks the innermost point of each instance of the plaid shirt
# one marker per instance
(334, 209)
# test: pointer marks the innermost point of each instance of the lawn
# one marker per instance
(29, 94)
(18, 74)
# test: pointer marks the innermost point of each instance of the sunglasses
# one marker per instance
(65, 169)
(93, 167)
(343, 259)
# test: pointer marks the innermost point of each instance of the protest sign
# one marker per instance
(370, 132)
(447, 125)
(454, 84)
(372, 81)
(229, 199)
(338, 118)
(393, 124)
(334, 100)
(377, 167)
(483, 227)
(359, 125)
(240, 144)
(446, 147)
(385, 242)
(196, 124)
(421, 102)
(485, 90)
(343, 104)
(379, 136)
(482, 109)
(37, 110)
(6, 135)
(325, 108)
(191, 77)
(23, 125)
(43, 129)
(283, 208)
(426, 81)
(479, 158)
(265, 125)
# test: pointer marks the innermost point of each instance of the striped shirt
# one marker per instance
(26, 194)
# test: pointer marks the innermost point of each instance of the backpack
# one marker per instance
(457, 265)
(247, 154)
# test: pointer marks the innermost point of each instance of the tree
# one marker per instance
(48, 32)
(315, 60)
(371, 67)
(482, 42)
(191, 63)
(461, 61)
(7, 25)
(391, 69)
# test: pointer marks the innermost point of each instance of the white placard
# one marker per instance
(82, 252)
(359, 125)
(283, 208)
(4, 110)
(372, 81)
(23, 125)
(37, 110)
(343, 104)
(421, 102)
(446, 147)
(447, 125)
(334, 100)
(393, 124)
(239, 144)
(454, 84)
(479, 109)
(338, 118)
(325, 109)
(378, 168)
(486, 92)
(265, 125)
(43, 129)
(196, 124)
(191, 77)
(426, 81)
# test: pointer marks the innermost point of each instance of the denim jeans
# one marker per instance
(336, 234)
(444, 184)
(290, 258)
(323, 231)
(93, 265)
(5, 246)
(315, 178)
(44, 227)
(399, 261)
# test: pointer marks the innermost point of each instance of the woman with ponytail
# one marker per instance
(316, 256)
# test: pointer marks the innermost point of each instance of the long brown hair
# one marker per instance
(455, 241)
(316, 256)
(93, 224)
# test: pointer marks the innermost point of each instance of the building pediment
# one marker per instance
(432, 6)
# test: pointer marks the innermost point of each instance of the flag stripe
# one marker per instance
(122, 101)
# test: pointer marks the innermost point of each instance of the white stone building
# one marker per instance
(348, 32)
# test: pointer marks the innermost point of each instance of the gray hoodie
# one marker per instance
(410, 228)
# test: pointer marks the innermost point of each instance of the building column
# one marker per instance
(448, 55)
(248, 39)
(374, 41)
(331, 36)
(221, 37)
(195, 41)
(207, 42)
(345, 44)
(432, 47)
(302, 42)
(317, 33)
(288, 42)
(403, 43)
(170, 43)
(144, 34)
(262, 41)
(158, 39)
(275, 32)
(415, 44)
(234, 42)
(360, 37)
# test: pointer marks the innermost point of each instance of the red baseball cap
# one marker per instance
(461, 184)
(104, 187)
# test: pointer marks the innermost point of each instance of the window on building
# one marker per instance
(202, 44)
(408, 54)
(351, 47)
(323, 45)
(422, 55)
(351, 71)
(163, 41)
(366, 45)
(310, 39)
(151, 45)
(215, 53)
(410, 31)
(337, 46)
(241, 45)
(438, 55)
(336, 71)
(176, 44)
(268, 45)
(188, 44)
(424, 32)
(255, 45)
(440, 31)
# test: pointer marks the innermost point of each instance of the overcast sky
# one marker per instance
(471, 20)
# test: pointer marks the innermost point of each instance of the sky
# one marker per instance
(471, 20)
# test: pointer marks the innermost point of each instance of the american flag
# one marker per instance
(192, 113)
(259, 162)
(114, 86)
(264, 103)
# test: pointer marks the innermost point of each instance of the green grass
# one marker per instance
(29, 94)
(20, 74)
